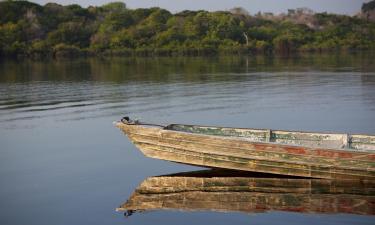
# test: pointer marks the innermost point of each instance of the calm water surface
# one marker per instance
(63, 162)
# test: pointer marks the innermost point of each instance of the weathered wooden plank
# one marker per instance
(254, 134)
(327, 140)
(248, 149)
(212, 160)
(357, 145)
(251, 153)
(259, 146)
(365, 139)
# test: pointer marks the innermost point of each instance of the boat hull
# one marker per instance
(241, 154)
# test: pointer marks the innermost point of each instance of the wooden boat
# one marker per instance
(228, 192)
(306, 154)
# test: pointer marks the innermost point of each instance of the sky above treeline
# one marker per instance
(349, 7)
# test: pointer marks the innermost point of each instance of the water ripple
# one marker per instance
(226, 93)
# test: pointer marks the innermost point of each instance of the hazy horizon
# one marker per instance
(349, 7)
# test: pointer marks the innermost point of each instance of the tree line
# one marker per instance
(33, 30)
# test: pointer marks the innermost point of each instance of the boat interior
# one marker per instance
(354, 142)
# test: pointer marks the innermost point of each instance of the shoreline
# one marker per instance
(150, 53)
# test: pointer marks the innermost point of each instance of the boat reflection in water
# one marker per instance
(226, 191)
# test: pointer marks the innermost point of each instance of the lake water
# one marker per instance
(63, 162)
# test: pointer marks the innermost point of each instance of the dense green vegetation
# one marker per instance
(53, 30)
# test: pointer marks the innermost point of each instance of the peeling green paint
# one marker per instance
(334, 141)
